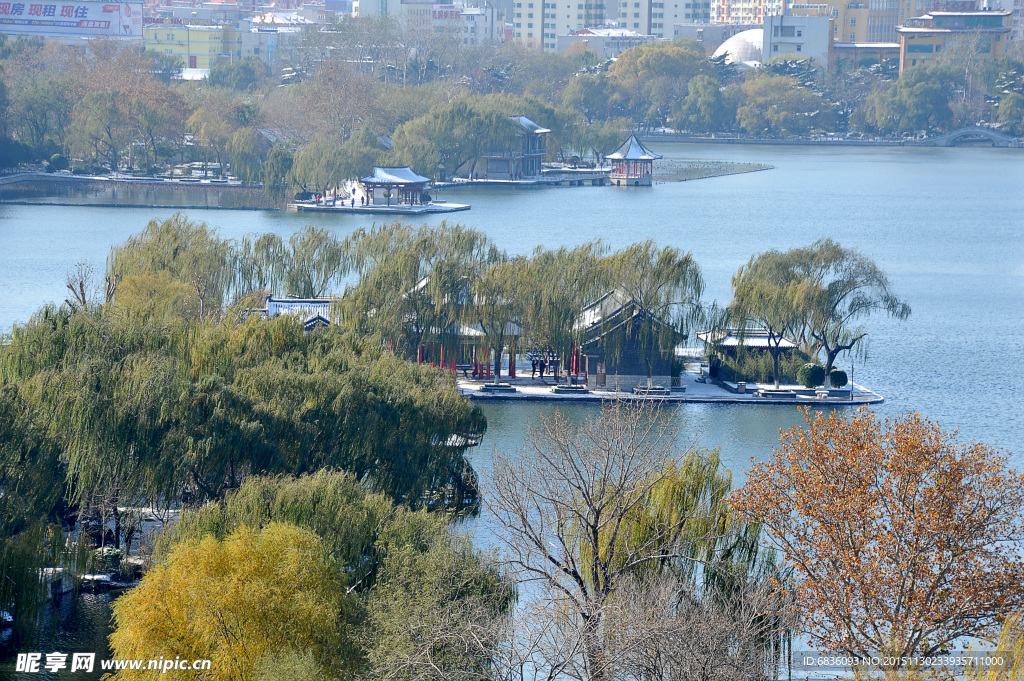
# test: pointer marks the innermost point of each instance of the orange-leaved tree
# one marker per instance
(902, 539)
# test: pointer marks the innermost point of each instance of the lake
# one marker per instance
(947, 225)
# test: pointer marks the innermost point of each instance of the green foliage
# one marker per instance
(665, 285)
(398, 590)
(778, 105)
(317, 165)
(705, 108)
(1011, 113)
(838, 378)
(244, 151)
(59, 162)
(191, 253)
(920, 100)
(811, 375)
(241, 74)
(167, 410)
(275, 172)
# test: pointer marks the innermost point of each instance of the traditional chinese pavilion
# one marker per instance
(632, 164)
(396, 186)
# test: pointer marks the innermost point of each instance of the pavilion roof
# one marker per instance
(632, 150)
(529, 126)
(397, 176)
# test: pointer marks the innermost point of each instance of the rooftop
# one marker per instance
(632, 150)
(394, 175)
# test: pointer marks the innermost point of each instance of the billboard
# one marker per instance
(72, 19)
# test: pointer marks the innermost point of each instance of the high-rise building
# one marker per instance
(924, 39)
(538, 24)
(745, 11)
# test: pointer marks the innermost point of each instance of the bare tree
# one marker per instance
(577, 510)
(80, 282)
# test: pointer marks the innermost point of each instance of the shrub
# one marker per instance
(58, 162)
(811, 375)
(838, 378)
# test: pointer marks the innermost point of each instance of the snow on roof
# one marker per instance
(748, 338)
(402, 175)
(632, 150)
(528, 125)
(608, 32)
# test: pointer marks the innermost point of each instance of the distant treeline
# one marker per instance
(317, 118)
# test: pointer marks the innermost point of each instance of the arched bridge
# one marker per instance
(973, 136)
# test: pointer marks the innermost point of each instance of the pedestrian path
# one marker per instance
(691, 389)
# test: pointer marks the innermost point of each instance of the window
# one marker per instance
(529, 15)
(636, 25)
(799, 48)
(853, 21)
(775, 48)
(853, 37)
(636, 15)
(799, 33)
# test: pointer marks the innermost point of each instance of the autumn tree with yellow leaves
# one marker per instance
(902, 538)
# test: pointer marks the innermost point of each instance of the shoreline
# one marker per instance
(692, 391)
(731, 138)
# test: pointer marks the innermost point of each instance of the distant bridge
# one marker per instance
(972, 136)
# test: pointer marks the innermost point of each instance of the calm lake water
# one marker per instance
(945, 224)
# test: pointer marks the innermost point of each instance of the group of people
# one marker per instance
(540, 361)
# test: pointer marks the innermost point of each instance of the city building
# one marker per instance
(537, 25)
(648, 16)
(746, 11)
(608, 43)
(743, 49)
(924, 39)
(198, 47)
(522, 160)
(797, 37)
(710, 36)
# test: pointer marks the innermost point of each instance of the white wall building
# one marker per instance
(797, 37)
(607, 42)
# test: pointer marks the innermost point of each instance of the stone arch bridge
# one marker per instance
(974, 135)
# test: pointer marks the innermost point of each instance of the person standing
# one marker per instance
(542, 365)
(533, 367)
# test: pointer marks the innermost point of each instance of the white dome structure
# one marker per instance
(744, 47)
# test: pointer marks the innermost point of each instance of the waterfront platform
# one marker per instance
(535, 389)
(402, 209)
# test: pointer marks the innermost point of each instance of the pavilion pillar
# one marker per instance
(512, 359)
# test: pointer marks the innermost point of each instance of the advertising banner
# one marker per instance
(73, 19)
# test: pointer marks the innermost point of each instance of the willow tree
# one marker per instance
(499, 294)
(769, 293)
(846, 286)
(664, 287)
(260, 263)
(314, 261)
(587, 508)
(414, 282)
(563, 283)
(191, 252)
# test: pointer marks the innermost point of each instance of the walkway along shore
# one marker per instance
(690, 390)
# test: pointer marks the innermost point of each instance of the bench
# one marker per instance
(464, 368)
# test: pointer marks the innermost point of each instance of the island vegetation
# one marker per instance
(307, 487)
